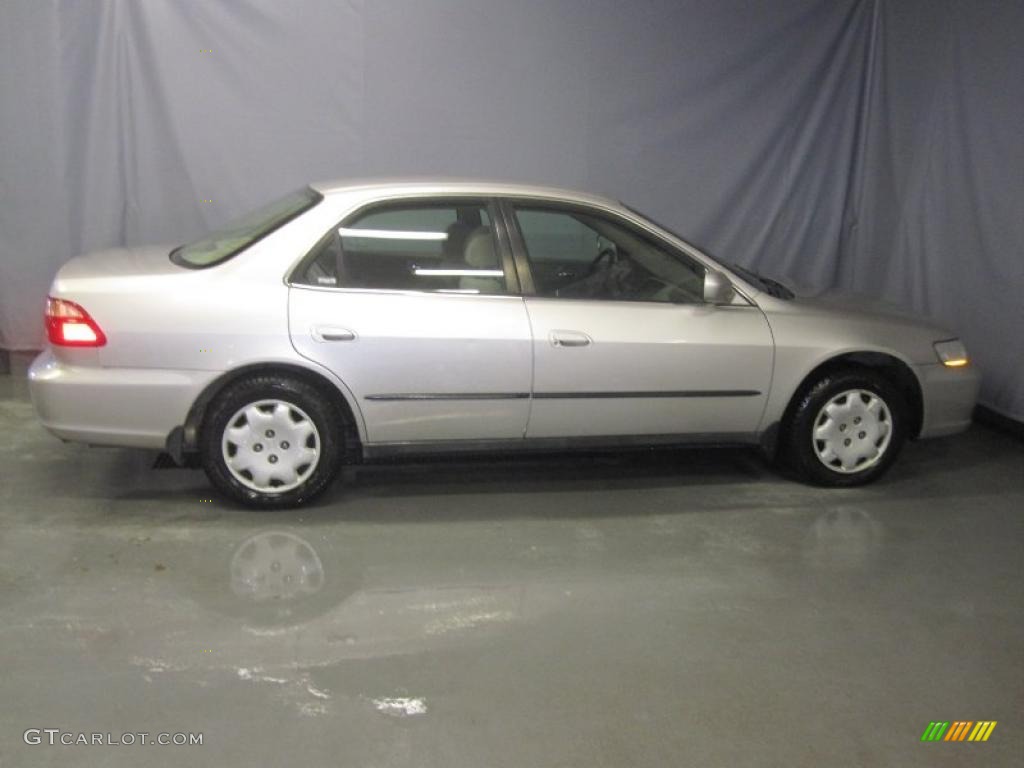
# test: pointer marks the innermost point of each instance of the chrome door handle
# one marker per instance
(332, 333)
(569, 339)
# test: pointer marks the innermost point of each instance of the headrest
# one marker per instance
(455, 242)
(479, 252)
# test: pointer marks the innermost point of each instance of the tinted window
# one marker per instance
(447, 247)
(576, 254)
(243, 232)
(556, 238)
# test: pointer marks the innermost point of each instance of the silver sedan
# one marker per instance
(353, 321)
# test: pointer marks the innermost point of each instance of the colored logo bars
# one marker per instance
(959, 730)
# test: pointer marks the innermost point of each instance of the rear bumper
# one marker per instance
(112, 406)
(949, 395)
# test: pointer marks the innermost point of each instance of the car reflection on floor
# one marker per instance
(283, 606)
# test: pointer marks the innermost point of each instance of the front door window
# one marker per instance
(577, 254)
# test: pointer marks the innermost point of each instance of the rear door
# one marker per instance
(414, 305)
(623, 341)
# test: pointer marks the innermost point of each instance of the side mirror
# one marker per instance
(717, 288)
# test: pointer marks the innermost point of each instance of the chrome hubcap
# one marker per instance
(852, 431)
(271, 446)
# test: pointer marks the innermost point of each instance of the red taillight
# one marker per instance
(68, 325)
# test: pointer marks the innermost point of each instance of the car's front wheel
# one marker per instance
(272, 441)
(846, 429)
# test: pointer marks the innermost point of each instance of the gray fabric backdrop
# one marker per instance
(860, 144)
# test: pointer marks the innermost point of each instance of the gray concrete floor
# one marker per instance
(686, 608)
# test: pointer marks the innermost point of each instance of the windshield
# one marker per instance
(238, 235)
(766, 284)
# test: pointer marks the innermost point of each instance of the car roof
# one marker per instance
(440, 185)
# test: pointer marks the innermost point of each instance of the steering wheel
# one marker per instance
(608, 254)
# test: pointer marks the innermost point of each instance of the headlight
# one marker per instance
(952, 353)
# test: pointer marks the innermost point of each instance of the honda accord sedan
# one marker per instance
(354, 321)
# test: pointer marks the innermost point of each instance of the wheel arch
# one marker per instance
(183, 441)
(895, 369)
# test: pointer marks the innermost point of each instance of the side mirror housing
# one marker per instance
(717, 288)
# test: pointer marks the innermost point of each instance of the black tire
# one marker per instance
(799, 449)
(325, 415)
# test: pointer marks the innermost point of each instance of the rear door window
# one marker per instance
(448, 247)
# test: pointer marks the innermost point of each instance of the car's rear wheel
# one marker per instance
(272, 441)
(846, 428)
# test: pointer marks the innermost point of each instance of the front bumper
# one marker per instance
(131, 407)
(949, 396)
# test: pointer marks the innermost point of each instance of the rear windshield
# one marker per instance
(241, 233)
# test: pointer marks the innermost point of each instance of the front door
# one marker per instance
(623, 341)
(412, 304)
